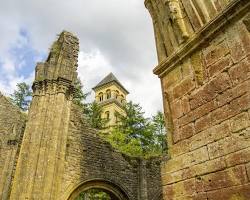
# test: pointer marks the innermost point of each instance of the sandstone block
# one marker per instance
(227, 178)
(189, 117)
(180, 190)
(210, 135)
(172, 78)
(181, 147)
(229, 110)
(203, 123)
(185, 105)
(210, 90)
(185, 160)
(183, 88)
(186, 69)
(183, 132)
(234, 42)
(240, 72)
(233, 93)
(177, 109)
(240, 122)
(239, 157)
(235, 193)
(215, 52)
(229, 144)
(219, 66)
(198, 67)
(198, 112)
(198, 170)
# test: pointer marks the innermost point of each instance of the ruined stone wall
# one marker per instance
(206, 90)
(12, 123)
(60, 155)
(90, 158)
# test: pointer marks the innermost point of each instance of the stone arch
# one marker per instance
(114, 190)
(100, 95)
(108, 93)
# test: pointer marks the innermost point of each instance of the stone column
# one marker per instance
(41, 162)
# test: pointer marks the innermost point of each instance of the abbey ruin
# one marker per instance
(203, 49)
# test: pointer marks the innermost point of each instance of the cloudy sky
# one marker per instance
(115, 36)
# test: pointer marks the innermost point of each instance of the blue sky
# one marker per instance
(115, 35)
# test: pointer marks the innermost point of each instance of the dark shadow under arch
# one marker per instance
(115, 191)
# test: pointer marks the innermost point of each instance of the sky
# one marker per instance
(115, 36)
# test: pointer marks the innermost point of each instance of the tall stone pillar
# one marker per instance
(41, 162)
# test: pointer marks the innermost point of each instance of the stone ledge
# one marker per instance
(233, 10)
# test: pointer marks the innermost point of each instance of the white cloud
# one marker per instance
(115, 35)
(92, 67)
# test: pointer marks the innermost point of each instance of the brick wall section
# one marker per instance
(210, 141)
(12, 123)
(88, 157)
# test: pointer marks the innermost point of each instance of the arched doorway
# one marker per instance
(114, 191)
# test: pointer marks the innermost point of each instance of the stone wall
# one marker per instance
(90, 158)
(12, 123)
(206, 89)
(60, 155)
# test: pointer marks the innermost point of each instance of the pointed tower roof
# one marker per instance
(108, 79)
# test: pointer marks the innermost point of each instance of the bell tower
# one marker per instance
(111, 95)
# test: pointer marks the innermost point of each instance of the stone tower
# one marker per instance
(203, 49)
(111, 95)
(40, 164)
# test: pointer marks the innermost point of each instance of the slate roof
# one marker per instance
(108, 79)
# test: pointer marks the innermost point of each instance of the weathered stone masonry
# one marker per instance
(60, 154)
(12, 124)
(206, 88)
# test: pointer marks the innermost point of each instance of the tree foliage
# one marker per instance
(79, 96)
(21, 97)
(93, 112)
(93, 194)
(159, 129)
(136, 135)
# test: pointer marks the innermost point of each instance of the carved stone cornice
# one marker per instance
(52, 87)
(236, 8)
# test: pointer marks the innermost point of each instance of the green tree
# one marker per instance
(94, 194)
(133, 134)
(22, 96)
(93, 112)
(136, 135)
(79, 96)
(158, 123)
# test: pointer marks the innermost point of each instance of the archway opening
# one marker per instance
(98, 190)
(96, 194)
